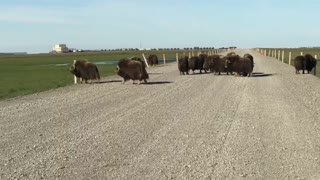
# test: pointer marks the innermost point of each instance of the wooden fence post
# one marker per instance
(301, 53)
(189, 54)
(275, 53)
(75, 79)
(315, 67)
(164, 58)
(282, 58)
(177, 57)
(145, 60)
(290, 58)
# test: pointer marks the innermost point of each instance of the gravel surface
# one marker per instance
(176, 127)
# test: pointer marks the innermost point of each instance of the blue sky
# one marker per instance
(36, 26)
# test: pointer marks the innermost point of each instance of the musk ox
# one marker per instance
(132, 69)
(208, 64)
(241, 66)
(85, 70)
(311, 62)
(183, 65)
(203, 60)
(229, 62)
(251, 58)
(218, 64)
(153, 60)
(196, 62)
(300, 64)
(213, 63)
(307, 62)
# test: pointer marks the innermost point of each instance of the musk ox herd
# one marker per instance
(128, 68)
(217, 64)
(135, 69)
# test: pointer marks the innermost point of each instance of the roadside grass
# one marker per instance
(27, 74)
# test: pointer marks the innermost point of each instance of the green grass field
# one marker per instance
(296, 52)
(27, 74)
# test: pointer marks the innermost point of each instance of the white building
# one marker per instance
(61, 48)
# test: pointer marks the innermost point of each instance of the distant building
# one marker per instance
(61, 48)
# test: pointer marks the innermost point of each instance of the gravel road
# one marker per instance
(176, 127)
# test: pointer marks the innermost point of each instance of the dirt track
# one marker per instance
(176, 127)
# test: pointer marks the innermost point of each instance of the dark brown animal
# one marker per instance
(196, 63)
(208, 64)
(300, 64)
(203, 59)
(85, 71)
(251, 58)
(132, 69)
(307, 62)
(241, 66)
(311, 62)
(229, 62)
(213, 63)
(183, 65)
(139, 59)
(153, 60)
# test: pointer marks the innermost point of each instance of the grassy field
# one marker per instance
(296, 52)
(27, 74)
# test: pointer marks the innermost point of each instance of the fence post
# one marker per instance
(189, 54)
(177, 57)
(145, 60)
(279, 54)
(282, 59)
(315, 67)
(275, 53)
(192, 53)
(164, 58)
(289, 58)
(301, 53)
(75, 79)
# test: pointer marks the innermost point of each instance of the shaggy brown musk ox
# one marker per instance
(196, 62)
(132, 69)
(183, 65)
(153, 60)
(85, 70)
